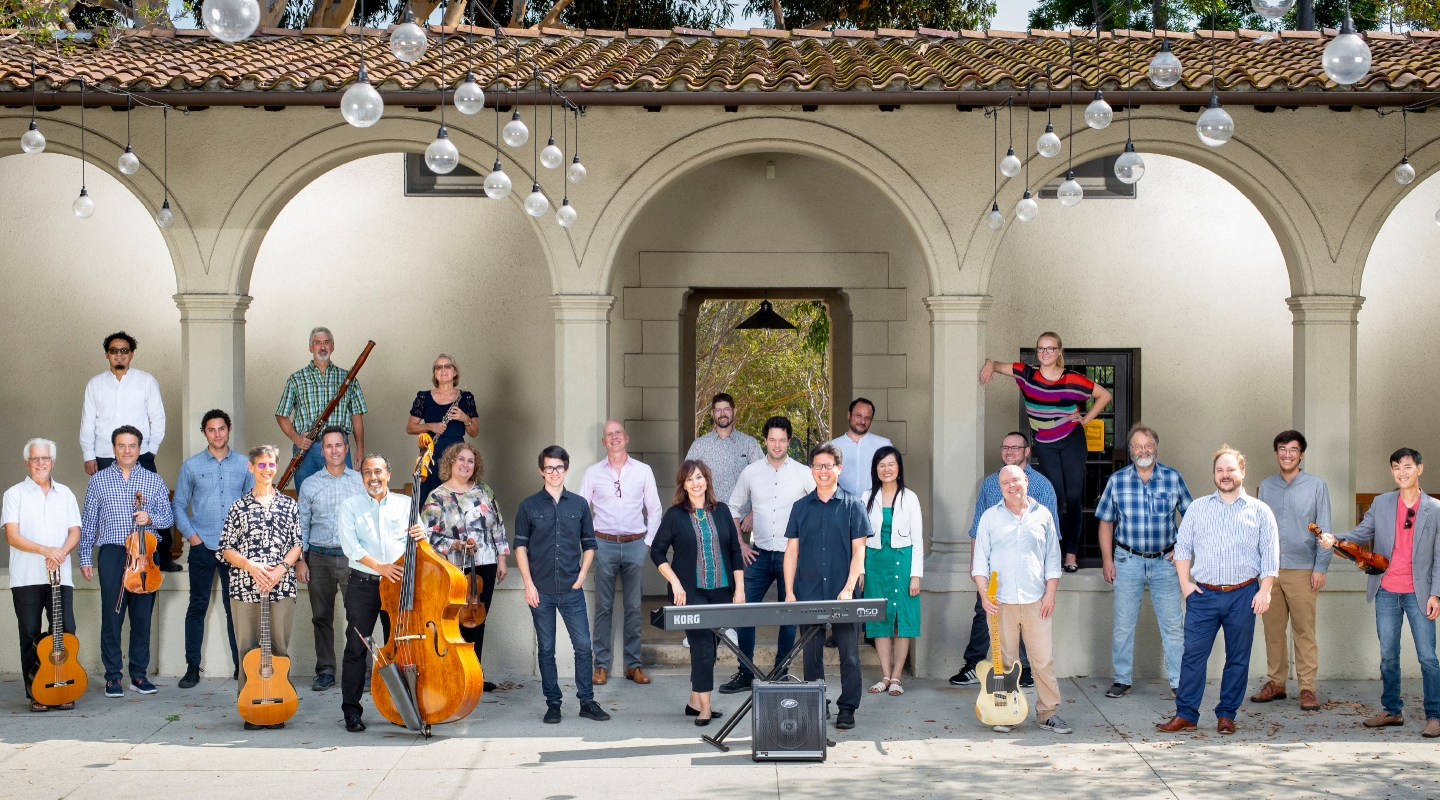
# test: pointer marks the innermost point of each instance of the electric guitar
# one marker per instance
(1000, 702)
(268, 698)
(61, 679)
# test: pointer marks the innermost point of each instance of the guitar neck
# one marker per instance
(996, 661)
(265, 632)
(57, 625)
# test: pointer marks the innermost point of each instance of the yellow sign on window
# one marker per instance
(1095, 435)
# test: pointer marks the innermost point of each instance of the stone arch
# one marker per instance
(1380, 201)
(766, 134)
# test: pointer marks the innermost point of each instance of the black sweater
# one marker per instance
(677, 532)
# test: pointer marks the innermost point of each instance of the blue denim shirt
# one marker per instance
(826, 532)
(207, 487)
(555, 536)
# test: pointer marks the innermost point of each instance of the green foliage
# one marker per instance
(871, 14)
(1185, 15)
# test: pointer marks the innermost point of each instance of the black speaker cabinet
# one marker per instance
(788, 721)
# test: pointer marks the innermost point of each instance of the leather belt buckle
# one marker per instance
(1135, 552)
(1226, 588)
(629, 537)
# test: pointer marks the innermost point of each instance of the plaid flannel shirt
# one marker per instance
(308, 390)
(1144, 511)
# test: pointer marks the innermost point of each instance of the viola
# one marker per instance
(1368, 562)
(142, 575)
(473, 614)
(61, 679)
(426, 673)
(268, 697)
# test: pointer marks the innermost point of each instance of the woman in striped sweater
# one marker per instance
(1055, 400)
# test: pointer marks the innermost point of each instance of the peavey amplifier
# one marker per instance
(788, 721)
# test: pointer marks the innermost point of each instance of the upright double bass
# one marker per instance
(426, 673)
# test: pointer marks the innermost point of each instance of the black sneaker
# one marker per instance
(1118, 690)
(113, 689)
(192, 676)
(488, 687)
(322, 682)
(590, 710)
(1026, 679)
(739, 683)
(171, 566)
(965, 677)
(552, 715)
(845, 720)
(354, 724)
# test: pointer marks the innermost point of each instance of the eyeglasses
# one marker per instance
(40, 459)
(553, 470)
(1409, 518)
(825, 467)
(1047, 349)
(119, 351)
(617, 488)
(1016, 448)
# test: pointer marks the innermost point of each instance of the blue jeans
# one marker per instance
(1132, 575)
(1389, 608)
(768, 566)
(110, 562)
(313, 462)
(1206, 612)
(203, 568)
(571, 606)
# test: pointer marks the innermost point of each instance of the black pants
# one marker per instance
(978, 651)
(477, 633)
(847, 637)
(30, 603)
(166, 536)
(1063, 464)
(204, 568)
(362, 609)
(702, 641)
(110, 563)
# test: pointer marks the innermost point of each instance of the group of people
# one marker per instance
(745, 518)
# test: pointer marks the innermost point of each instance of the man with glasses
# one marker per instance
(1404, 526)
(626, 506)
(1298, 499)
(1014, 452)
(726, 451)
(1138, 515)
(306, 394)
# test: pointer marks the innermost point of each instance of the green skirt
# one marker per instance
(887, 575)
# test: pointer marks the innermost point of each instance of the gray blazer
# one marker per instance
(1378, 530)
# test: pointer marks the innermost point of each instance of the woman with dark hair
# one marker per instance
(707, 569)
(445, 412)
(894, 562)
(1055, 399)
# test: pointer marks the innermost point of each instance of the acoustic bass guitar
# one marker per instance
(1000, 702)
(61, 679)
(268, 698)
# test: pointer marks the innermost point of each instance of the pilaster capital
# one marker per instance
(961, 309)
(1325, 309)
(589, 308)
(212, 306)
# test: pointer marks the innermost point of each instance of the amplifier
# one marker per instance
(788, 721)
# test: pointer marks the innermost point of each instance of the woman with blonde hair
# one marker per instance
(1055, 399)
(445, 412)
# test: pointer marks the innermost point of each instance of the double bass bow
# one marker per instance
(426, 673)
(1368, 562)
(142, 574)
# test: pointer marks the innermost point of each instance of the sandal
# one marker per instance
(895, 688)
(38, 707)
(70, 706)
(880, 686)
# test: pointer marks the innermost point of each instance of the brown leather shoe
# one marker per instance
(1225, 725)
(638, 675)
(1308, 701)
(1175, 725)
(1384, 720)
(600, 677)
(1432, 729)
(1270, 691)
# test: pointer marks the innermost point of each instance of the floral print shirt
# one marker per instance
(264, 534)
(457, 519)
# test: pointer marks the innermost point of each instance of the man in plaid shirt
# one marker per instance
(1139, 517)
(306, 394)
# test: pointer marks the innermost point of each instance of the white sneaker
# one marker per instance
(685, 641)
(1003, 728)
(733, 636)
(1055, 724)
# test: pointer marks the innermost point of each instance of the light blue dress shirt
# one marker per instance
(204, 492)
(368, 528)
(1229, 543)
(320, 499)
(855, 460)
(1024, 549)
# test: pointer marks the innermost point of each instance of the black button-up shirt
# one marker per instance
(826, 531)
(555, 536)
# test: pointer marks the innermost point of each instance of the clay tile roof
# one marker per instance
(720, 60)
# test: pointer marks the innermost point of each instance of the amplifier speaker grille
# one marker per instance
(788, 721)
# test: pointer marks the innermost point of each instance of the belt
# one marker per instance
(629, 537)
(357, 575)
(1133, 551)
(327, 551)
(1230, 588)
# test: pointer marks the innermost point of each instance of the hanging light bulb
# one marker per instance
(1048, 145)
(995, 220)
(565, 214)
(1098, 114)
(576, 171)
(1165, 67)
(551, 157)
(1070, 193)
(32, 141)
(469, 97)
(1027, 208)
(1129, 167)
(1010, 165)
(516, 133)
(165, 217)
(231, 20)
(129, 163)
(408, 41)
(442, 156)
(1404, 173)
(536, 204)
(497, 183)
(1347, 57)
(1215, 125)
(84, 205)
(361, 105)
(1272, 9)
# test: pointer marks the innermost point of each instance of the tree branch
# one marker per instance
(517, 14)
(779, 14)
(554, 13)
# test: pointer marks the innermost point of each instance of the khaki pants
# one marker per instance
(1292, 598)
(1017, 621)
(247, 627)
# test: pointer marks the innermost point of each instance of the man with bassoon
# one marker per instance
(303, 406)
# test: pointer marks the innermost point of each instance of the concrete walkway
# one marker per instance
(186, 744)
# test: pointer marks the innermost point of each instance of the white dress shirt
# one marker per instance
(111, 402)
(44, 519)
(1024, 549)
(770, 493)
(617, 499)
(855, 460)
(378, 530)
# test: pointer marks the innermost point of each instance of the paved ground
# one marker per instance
(924, 744)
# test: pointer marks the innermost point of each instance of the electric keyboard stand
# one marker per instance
(780, 669)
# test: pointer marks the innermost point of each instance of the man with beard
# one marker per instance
(1227, 556)
(858, 447)
(726, 451)
(1137, 515)
(307, 392)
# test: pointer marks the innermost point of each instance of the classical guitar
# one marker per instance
(142, 575)
(61, 679)
(1368, 562)
(268, 698)
(1000, 702)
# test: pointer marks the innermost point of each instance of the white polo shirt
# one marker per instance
(43, 519)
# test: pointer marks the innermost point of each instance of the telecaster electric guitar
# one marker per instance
(1000, 702)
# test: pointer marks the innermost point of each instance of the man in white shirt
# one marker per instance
(769, 488)
(42, 524)
(622, 497)
(858, 446)
(1018, 539)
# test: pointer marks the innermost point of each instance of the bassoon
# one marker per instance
(314, 433)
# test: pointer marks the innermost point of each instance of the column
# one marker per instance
(582, 375)
(212, 363)
(1324, 410)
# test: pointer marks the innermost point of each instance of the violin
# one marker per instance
(142, 575)
(473, 614)
(61, 679)
(426, 673)
(1368, 562)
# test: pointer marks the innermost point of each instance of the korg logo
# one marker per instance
(866, 612)
(687, 619)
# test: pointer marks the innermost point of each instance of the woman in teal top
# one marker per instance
(894, 562)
